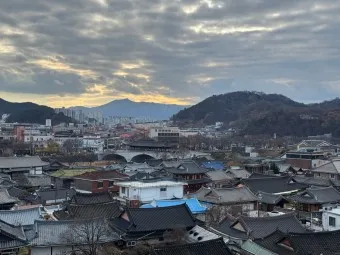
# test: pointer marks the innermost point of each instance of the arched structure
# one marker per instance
(115, 157)
(141, 158)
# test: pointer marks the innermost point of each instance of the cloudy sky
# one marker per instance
(89, 52)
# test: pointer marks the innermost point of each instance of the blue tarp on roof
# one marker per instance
(216, 165)
(193, 204)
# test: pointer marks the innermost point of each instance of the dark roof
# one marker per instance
(101, 175)
(225, 195)
(54, 194)
(187, 167)
(317, 195)
(272, 243)
(259, 227)
(16, 192)
(268, 198)
(104, 210)
(316, 243)
(24, 217)
(153, 219)
(210, 247)
(91, 198)
(53, 233)
(6, 198)
(258, 176)
(273, 184)
(151, 144)
(11, 236)
(312, 181)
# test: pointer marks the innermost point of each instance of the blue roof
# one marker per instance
(193, 204)
(217, 165)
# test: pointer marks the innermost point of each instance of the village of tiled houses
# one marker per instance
(153, 196)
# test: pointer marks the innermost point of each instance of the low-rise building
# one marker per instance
(148, 190)
(331, 219)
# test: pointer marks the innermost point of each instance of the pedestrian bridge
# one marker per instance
(142, 156)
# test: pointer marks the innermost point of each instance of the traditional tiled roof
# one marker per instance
(139, 220)
(55, 194)
(332, 167)
(107, 210)
(6, 198)
(210, 247)
(16, 192)
(21, 217)
(49, 233)
(269, 198)
(259, 227)
(11, 236)
(313, 181)
(187, 167)
(225, 195)
(317, 195)
(316, 243)
(101, 175)
(70, 173)
(21, 162)
(238, 173)
(273, 184)
(193, 204)
(91, 198)
(218, 175)
(272, 243)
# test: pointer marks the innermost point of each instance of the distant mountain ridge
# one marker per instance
(256, 113)
(30, 113)
(128, 108)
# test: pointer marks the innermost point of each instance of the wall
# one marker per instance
(146, 195)
(92, 186)
(49, 250)
(325, 220)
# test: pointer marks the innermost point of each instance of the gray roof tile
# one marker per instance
(24, 217)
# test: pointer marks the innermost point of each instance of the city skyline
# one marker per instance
(71, 53)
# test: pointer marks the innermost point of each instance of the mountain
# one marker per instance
(128, 108)
(255, 113)
(30, 113)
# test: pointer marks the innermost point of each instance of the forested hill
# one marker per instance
(30, 113)
(257, 113)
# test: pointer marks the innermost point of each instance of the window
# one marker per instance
(163, 189)
(332, 176)
(123, 190)
(100, 185)
(331, 221)
(111, 183)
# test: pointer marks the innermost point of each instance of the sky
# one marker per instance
(90, 52)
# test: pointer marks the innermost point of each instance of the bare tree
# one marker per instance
(72, 145)
(88, 236)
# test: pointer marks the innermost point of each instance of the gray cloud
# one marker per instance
(183, 48)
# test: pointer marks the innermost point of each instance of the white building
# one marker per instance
(146, 192)
(331, 219)
(162, 134)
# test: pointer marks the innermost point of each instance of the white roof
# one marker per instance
(136, 184)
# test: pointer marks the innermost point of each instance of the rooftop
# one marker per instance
(140, 184)
(21, 162)
(24, 217)
(317, 195)
(216, 246)
(101, 175)
(187, 167)
(6, 198)
(91, 198)
(69, 173)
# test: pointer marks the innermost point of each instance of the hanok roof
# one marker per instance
(225, 195)
(210, 247)
(238, 173)
(55, 194)
(314, 143)
(16, 192)
(187, 167)
(332, 167)
(137, 220)
(193, 204)
(218, 175)
(283, 168)
(317, 195)
(269, 198)
(273, 243)
(313, 181)
(101, 175)
(21, 217)
(259, 227)
(11, 236)
(70, 173)
(6, 198)
(275, 185)
(91, 198)
(315, 243)
(21, 162)
(53, 233)
(107, 210)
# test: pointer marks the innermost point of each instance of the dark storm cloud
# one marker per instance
(185, 48)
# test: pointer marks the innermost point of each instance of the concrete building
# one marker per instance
(165, 134)
(331, 219)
